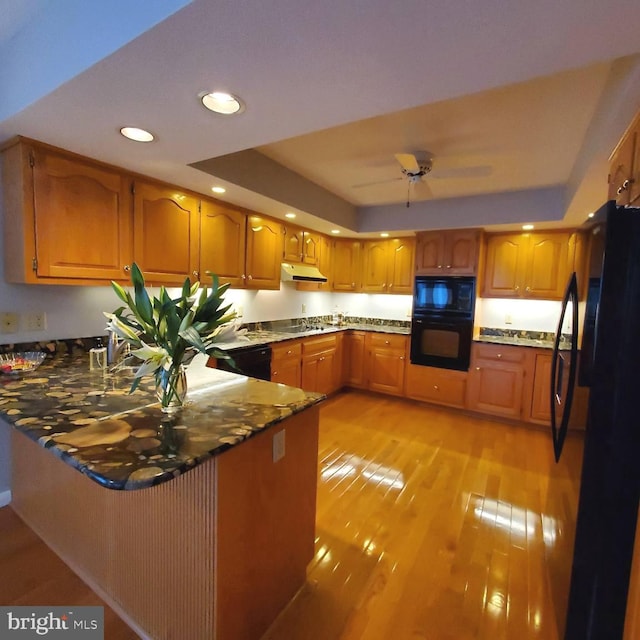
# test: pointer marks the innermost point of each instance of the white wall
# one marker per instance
(529, 315)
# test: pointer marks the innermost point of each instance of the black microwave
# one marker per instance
(444, 295)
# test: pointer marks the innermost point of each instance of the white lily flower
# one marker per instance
(154, 359)
(121, 329)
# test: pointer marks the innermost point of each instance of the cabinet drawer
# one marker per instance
(440, 386)
(311, 346)
(288, 350)
(499, 353)
(387, 341)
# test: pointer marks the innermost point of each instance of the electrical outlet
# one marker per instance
(304, 308)
(508, 319)
(239, 311)
(8, 322)
(408, 312)
(278, 446)
(34, 321)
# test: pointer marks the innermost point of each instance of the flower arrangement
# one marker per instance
(166, 332)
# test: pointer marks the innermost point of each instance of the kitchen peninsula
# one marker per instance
(211, 522)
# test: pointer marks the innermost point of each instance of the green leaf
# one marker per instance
(120, 292)
(191, 336)
(143, 304)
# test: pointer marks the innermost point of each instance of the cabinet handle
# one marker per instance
(321, 359)
(353, 285)
(516, 288)
(401, 357)
(439, 266)
(274, 374)
(448, 266)
(384, 285)
(127, 268)
(387, 342)
(244, 277)
(477, 368)
(499, 355)
(195, 274)
(528, 289)
(391, 285)
(289, 352)
(249, 277)
(435, 386)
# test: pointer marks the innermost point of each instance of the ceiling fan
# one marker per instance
(416, 166)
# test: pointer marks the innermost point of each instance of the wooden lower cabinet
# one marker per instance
(439, 386)
(320, 364)
(386, 356)
(496, 379)
(286, 363)
(354, 360)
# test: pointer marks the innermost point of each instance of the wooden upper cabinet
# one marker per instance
(323, 248)
(264, 253)
(624, 167)
(401, 264)
(223, 232)
(166, 233)
(293, 244)
(66, 218)
(301, 246)
(346, 265)
(534, 265)
(387, 265)
(453, 253)
(374, 266)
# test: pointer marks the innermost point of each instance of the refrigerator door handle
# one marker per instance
(557, 396)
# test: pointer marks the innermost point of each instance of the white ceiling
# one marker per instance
(537, 94)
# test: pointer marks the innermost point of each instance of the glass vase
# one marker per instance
(171, 388)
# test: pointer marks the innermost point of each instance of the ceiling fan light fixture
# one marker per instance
(225, 104)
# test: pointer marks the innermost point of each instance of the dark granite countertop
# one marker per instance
(121, 441)
(516, 341)
(268, 336)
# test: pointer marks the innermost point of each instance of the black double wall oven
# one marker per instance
(442, 321)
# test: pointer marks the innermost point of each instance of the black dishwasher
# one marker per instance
(253, 361)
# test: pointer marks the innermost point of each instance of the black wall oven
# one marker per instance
(442, 321)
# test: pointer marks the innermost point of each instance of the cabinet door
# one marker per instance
(634, 191)
(346, 265)
(374, 266)
(311, 248)
(222, 242)
(440, 386)
(386, 371)
(621, 170)
(401, 256)
(504, 268)
(496, 388)
(353, 362)
(461, 252)
(540, 402)
(547, 266)
(264, 252)
(430, 253)
(386, 362)
(166, 233)
(286, 364)
(293, 244)
(322, 246)
(82, 218)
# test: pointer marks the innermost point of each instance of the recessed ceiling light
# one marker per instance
(384, 235)
(591, 215)
(290, 215)
(527, 227)
(220, 102)
(335, 231)
(218, 189)
(136, 134)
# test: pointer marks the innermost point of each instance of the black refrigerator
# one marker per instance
(592, 503)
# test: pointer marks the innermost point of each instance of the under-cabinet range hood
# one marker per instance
(301, 273)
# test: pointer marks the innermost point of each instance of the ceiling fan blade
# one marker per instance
(371, 184)
(408, 162)
(461, 172)
(423, 189)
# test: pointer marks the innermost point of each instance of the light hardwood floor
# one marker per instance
(428, 527)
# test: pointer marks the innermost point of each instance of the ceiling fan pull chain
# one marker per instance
(408, 192)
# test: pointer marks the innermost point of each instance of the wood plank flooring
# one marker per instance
(428, 527)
